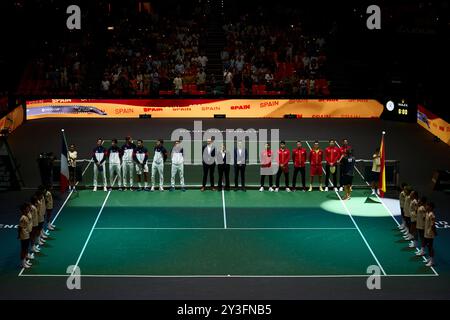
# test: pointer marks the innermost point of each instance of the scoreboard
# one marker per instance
(399, 109)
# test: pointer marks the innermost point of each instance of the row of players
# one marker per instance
(123, 161)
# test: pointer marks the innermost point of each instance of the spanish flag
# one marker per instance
(382, 182)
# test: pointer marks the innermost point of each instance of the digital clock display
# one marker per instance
(398, 109)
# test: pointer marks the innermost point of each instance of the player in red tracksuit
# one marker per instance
(299, 158)
(315, 159)
(332, 156)
(343, 149)
(283, 161)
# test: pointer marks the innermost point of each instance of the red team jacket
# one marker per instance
(283, 158)
(299, 157)
(315, 158)
(332, 155)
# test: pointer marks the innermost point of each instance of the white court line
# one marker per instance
(206, 228)
(63, 205)
(362, 235)
(353, 220)
(389, 211)
(92, 230)
(419, 275)
(224, 211)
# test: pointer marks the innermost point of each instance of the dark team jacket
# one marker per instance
(99, 155)
(162, 150)
(140, 155)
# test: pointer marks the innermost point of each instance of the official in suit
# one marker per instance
(222, 159)
(240, 162)
(209, 163)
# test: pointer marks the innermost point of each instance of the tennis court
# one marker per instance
(227, 233)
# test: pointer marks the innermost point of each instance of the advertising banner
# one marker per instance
(431, 122)
(12, 120)
(203, 108)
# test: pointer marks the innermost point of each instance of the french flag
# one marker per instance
(64, 176)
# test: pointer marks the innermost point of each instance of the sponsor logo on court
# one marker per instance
(442, 225)
(8, 226)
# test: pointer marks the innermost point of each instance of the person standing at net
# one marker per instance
(406, 209)
(49, 208)
(401, 199)
(177, 166)
(266, 168)
(430, 233)
(315, 160)
(413, 214)
(159, 157)
(332, 155)
(299, 159)
(348, 168)
(376, 168)
(420, 225)
(115, 164)
(140, 156)
(209, 164)
(283, 161)
(128, 162)
(223, 158)
(343, 150)
(24, 229)
(72, 156)
(99, 158)
(240, 163)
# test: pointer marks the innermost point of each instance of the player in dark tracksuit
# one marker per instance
(140, 157)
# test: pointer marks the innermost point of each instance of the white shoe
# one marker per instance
(25, 265)
(335, 189)
(41, 242)
(152, 189)
(310, 188)
(276, 189)
(95, 189)
(420, 253)
(341, 189)
(270, 189)
(105, 189)
(262, 189)
(288, 190)
(412, 245)
(43, 236)
(30, 256)
(36, 249)
(430, 263)
(326, 188)
(50, 227)
(401, 226)
(161, 189)
(321, 189)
